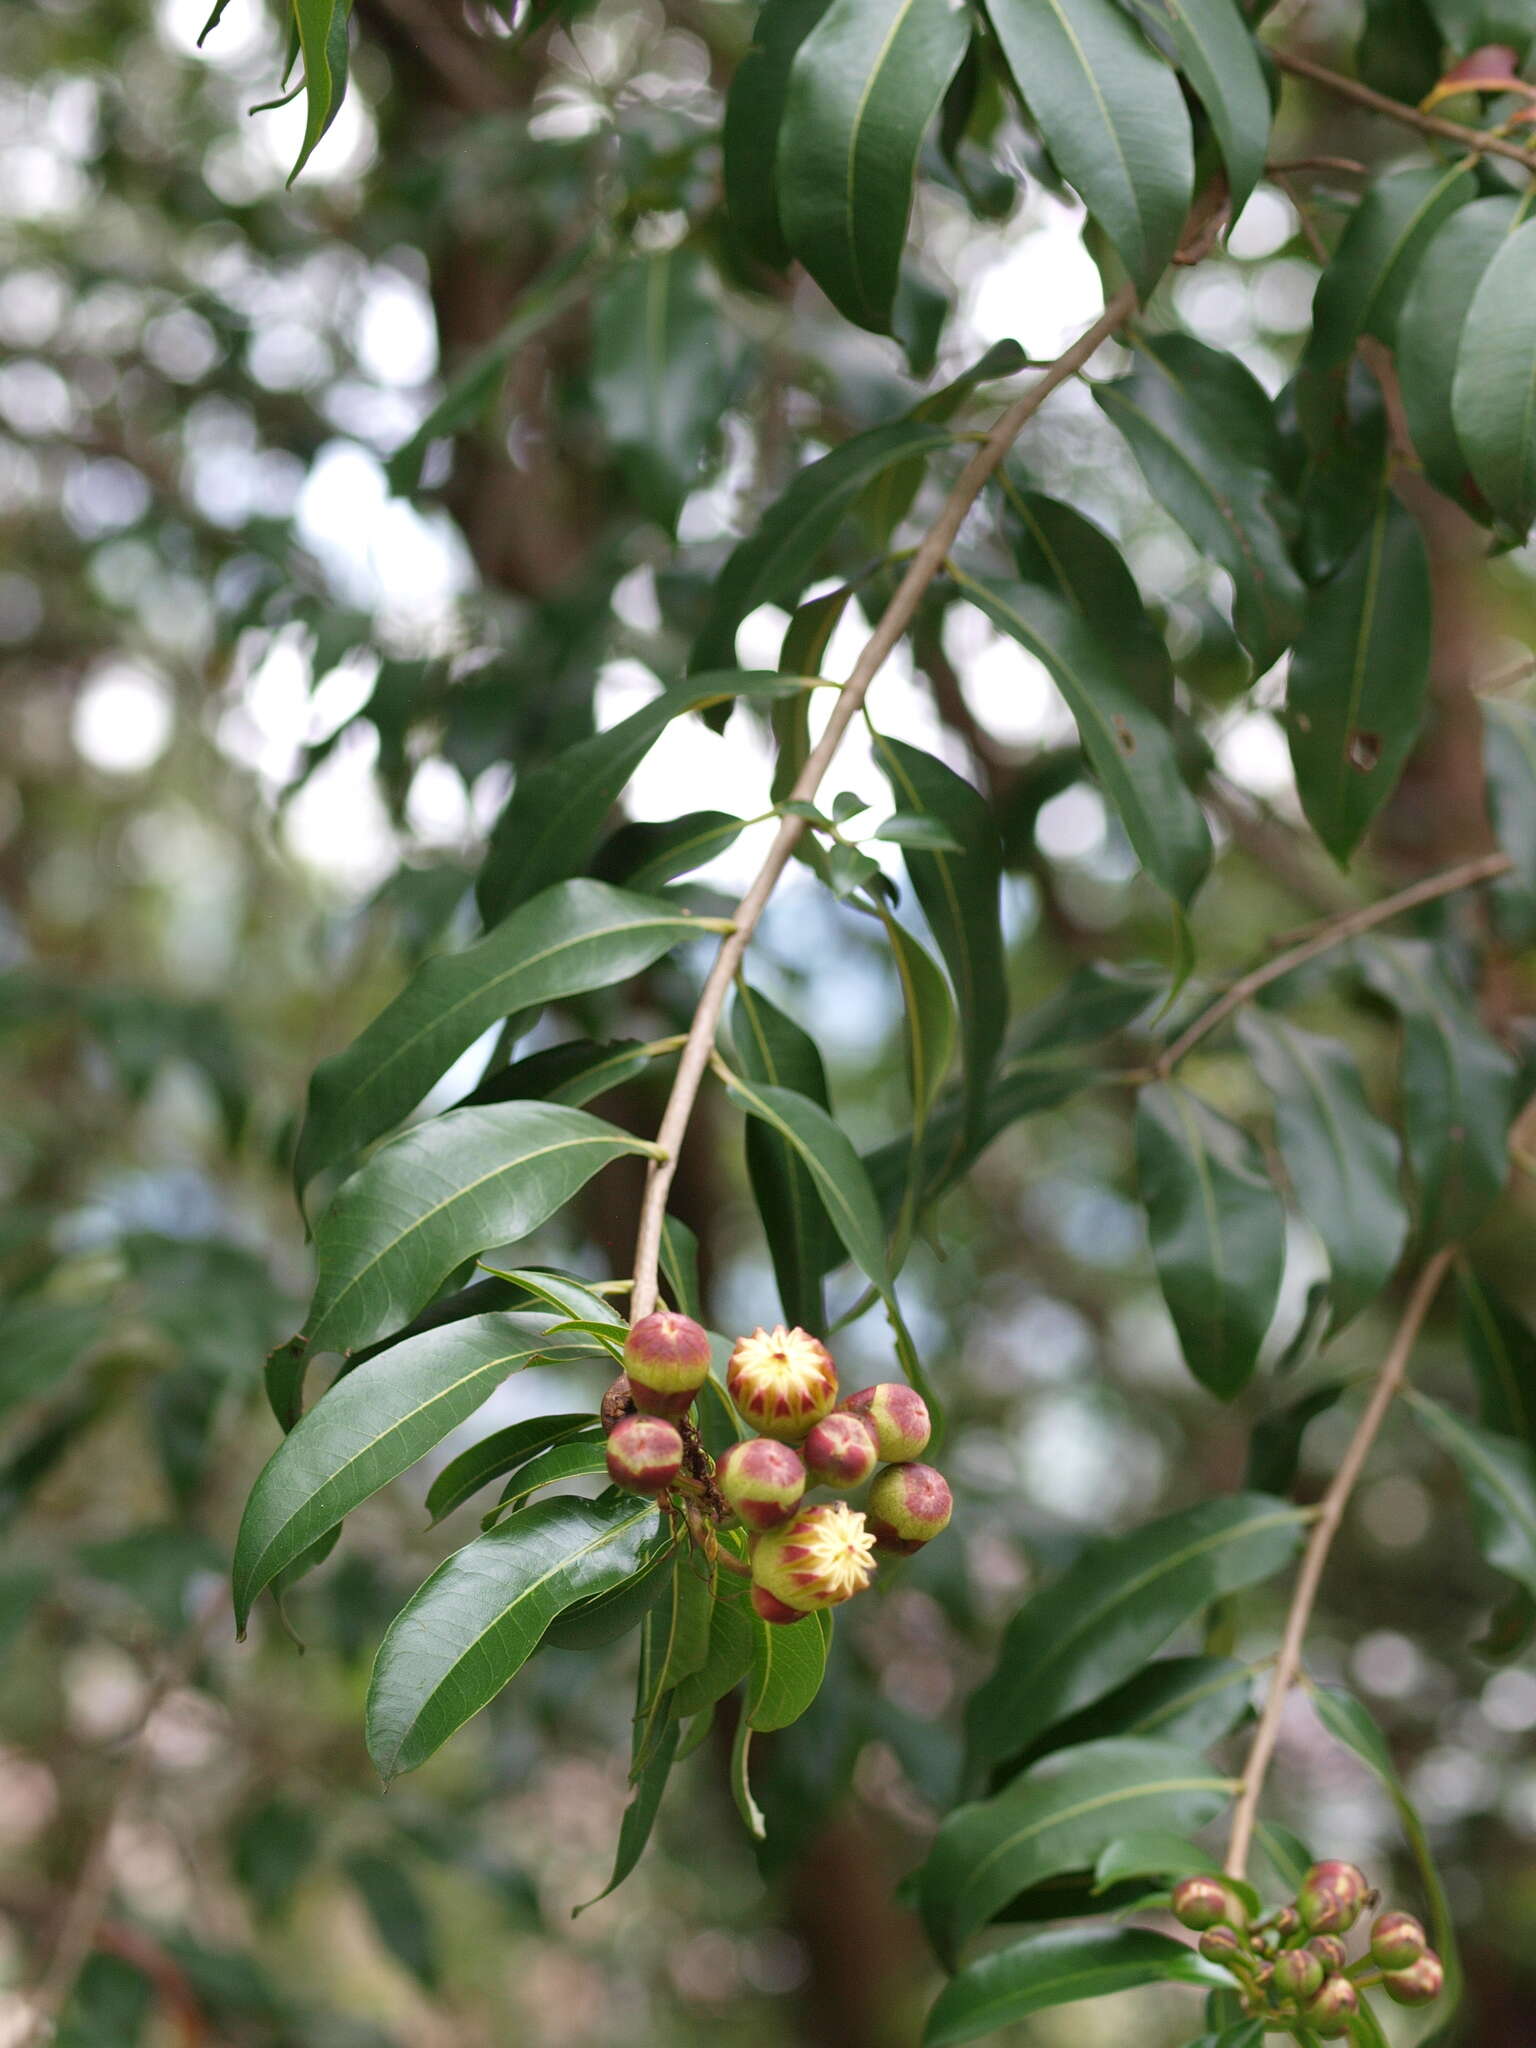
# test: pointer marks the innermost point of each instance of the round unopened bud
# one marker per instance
(841, 1451)
(899, 1417)
(1421, 1982)
(767, 1608)
(1397, 1940)
(763, 1480)
(782, 1381)
(1202, 1902)
(616, 1404)
(1329, 1950)
(1332, 1897)
(1331, 2009)
(667, 1359)
(1286, 1922)
(908, 1506)
(1221, 1945)
(1298, 1976)
(821, 1558)
(645, 1454)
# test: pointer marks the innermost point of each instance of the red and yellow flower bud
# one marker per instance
(841, 1451)
(821, 1558)
(645, 1453)
(782, 1381)
(763, 1480)
(1286, 1921)
(666, 1357)
(899, 1417)
(1298, 1976)
(1332, 1897)
(767, 1608)
(1331, 2009)
(1330, 1951)
(1419, 1984)
(1221, 1945)
(1397, 1941)
(1203, 1902)
(908, 1506)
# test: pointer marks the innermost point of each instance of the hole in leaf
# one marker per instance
(1363, 750)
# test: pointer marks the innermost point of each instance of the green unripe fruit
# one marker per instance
(841, 1451)
(821, 1558)
(1221, 1945)
(666, 1359)
(908, 1506)
(1329, 1950)
(1419, 1984)
(767, 1608)
(1298, 1976)
(1203, 1902)
(762, 1480)
(782, 1382)
(1330, 2011)
(1397, 1941)
(645, 1454)
(899, 1417)
(1332, 1897)
(1286, 1922)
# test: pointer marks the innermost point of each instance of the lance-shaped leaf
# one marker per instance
(583, 1457)
(572, 1073)
(1344, 1163)
(322, 28)
(1112, 116)
(928, 1015)
(662, 370)
(835, 1169)
(727, 1660)
(754, 108)
(401, 1917)
(1509, 767)
(1218, 56)
(1432, 326)
(776, 561)
(1217, 1228)
(674, 1644)
(1491, 402)
(1130, 749)
(1059, 1816)
(575, 936)
(1056, 1969)
(1274, 1449)
(39, 1343)
(495, 1455)
(436, 1196)
(1457, 1088)
(1500, 1478)
(888, 499)
(770, 1047)
(1190, 1701)
(1110, 1611)
(1360, 678)
(863, 87)
(558, 811)
(640, 1814)
(648, 856)
(372, 1426)
(481, 1615)
(1502, 1348)
(788, 1665)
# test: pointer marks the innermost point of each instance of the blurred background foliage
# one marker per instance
(257, 716)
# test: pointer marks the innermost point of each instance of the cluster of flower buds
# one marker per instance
(1292, 1966)
(783, 1383)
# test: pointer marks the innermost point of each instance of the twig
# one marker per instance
(1395, 110)
(1334, 932)
(897, 616)
(1317, 163)
(1319, 1543)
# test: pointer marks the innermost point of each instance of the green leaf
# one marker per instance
(1493, 397)
(1432, 327)
(558, 811)
(1056, 1969)
(1344, 1163)
(1457, 1088)
(21, 1587)
(662, 370)
(370, 1427)
(789, 1662)
(680, 1267)
(494, 1456)
(1155, 1852)
(732, 1644)
(1217, 54)
(272, 1846)
(1274, 1450)
(322, 26)
(1215, 480)
(836, 1170)
(1059, 1816)
(640, 1814)
(481, 1615)
(572, 1073)
(904, 828)
(601, 1618)
(1359, 680)
(1101, 1621)
(863, 88)
(776, 561)
(741, 1781)
(1097, 1000)
(1500, 1476)
(769, 1047)
(647, 856)
(1509, 766)
(437, 1195)
(40, 1341)
(889, 498)
(754, 109)
(928, 1013)
(1113, 119)
(1502, 1348)
(1130, 749)
(674, 1644)
(1217, 1228)
(573, 937)
(398, 1912)
(580, 1458)
(1189, 1701)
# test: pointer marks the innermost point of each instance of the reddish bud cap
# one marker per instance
(1298, 1976)
(1397, 1940)
(841, 1451)
(821, 1558)
(899, 1417)
(782, 1382)
(1331, 2009)
(763, 1480)
(645, 1454)
(908, 1506)
(1419, 1984)
(767, 1608)
(1332, 1897)
(1286, 1922)
(1203, 1902)
(1221, 1945)
(1329, 1950)
(666, 1357)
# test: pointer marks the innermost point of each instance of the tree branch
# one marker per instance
(894, 621)
(1395, 110)
(1330, 1514)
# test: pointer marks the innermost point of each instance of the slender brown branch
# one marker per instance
(1334, 932)
(1395, 110)
(1330, 1513)
(894, 621)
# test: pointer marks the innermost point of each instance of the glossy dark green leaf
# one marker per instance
(483, 1612)
(322, 27)
(1509, 766)
(1218, 56)
(1097, 1000)
(789, 1662)
(1101, 1621)
(640, 1814)
(575, 936)
(1274, 1450)
(1343, 477)
(835, 1169)
(1155, 1852)
(1060, 1815)
(1491, 406)
(437, 1195)
(1457, 1088)
(574, 1073)
(1129, 747)
(1189, 1701)
(769, 1047)
(864, 86)
(272, 1847)
(1432, 326)
(888, 499)
(582, 1457)
(371, 1426)
(662, 370)
(398, 1911)
(1359, 679)
(647, 856)
(1217, 1228)
(674, 1645)
(928, 1010)
(1112, 116)
(1056, 1969)
(1344, 1164)
(1399, 49)
(728, 1658)
(1501, 1346)
(602, 1618)
(496, 1455)
(776, 561)
(754, 109)
(1500, 1477)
